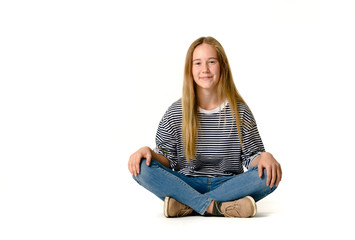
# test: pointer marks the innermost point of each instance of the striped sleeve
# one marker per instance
(166, 139)
(252, 143)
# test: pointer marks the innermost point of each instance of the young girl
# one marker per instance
(202, 143)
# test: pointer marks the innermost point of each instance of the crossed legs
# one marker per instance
(164, 182)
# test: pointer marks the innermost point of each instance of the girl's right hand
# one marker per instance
(136, 158)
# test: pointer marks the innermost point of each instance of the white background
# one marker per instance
(85, 83)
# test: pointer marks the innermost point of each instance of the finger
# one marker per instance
(130, 166)
(148, 160)
(273, 177)
(279, 175)
(278, 179)
(268, 174)
(133, 170)
(260, 169)
(136, 167)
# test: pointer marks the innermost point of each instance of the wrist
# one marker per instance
(255, 161)
(266, 154)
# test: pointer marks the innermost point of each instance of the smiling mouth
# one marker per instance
(206, 78)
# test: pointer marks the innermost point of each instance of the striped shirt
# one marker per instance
(218, 148)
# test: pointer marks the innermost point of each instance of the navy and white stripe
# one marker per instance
(218, 148)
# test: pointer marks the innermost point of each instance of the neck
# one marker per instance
(207, 100)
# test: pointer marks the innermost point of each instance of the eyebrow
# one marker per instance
(198, 59)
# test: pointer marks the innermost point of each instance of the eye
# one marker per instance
(197, 63)
(212, 61)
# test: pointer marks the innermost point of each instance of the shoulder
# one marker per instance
(174, 111)
(246, 116)
(172, 119)
(244, 112)
(176, 106)
(243, 108)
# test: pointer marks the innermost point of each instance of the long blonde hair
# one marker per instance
(225, 90)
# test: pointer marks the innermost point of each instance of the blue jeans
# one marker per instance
(198, 192)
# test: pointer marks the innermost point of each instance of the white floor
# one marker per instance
(95, 208)
(100, 200)
(281, 215)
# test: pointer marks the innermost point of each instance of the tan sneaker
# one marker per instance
(173, 208)
(244, 208)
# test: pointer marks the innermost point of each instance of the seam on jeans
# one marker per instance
(203, 210)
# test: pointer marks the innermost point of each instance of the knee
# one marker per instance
(260, 189)
(142, 169)
(267, 188)
(145, 171)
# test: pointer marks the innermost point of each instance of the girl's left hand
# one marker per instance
(273, 168)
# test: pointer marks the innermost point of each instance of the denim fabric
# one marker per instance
(198, 192)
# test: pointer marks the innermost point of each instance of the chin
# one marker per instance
(206, 87)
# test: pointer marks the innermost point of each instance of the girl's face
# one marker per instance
(205, 67)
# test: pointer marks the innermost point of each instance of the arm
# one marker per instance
(160, 158)
(147, 153)
(165, 143)
(273, 168)
(253, 146)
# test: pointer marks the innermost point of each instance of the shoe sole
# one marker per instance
(166, 204)
(254, 205)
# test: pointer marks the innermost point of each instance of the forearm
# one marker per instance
(161, 159)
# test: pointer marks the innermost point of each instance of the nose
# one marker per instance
(205, 68)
